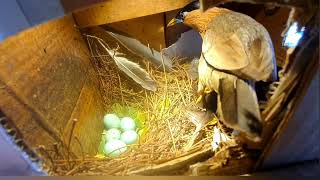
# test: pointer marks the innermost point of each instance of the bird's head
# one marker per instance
(191, 16)
(180, 17)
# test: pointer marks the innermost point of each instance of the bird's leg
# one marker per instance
(207, 90)
(202, 94)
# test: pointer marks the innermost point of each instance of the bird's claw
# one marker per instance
(202, 95)
(207, 90)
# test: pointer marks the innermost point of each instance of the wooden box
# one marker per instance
(48, 82)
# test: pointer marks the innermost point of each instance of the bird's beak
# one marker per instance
(172, 22)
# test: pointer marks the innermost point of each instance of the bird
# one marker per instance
(237, 51)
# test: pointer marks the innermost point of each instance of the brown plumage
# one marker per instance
(234, 42)
(235, 49)
(200, 20)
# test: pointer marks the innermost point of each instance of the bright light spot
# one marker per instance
(218, 137)
(293, 36)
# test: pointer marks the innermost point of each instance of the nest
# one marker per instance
(168, 127)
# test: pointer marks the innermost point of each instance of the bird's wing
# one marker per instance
(262, 60)
(226, 52)
(238, 43)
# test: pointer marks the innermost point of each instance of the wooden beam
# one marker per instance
(119, 10)
(295, 82)
(178, 164)
(275, 28)
(46, 81)
(149, 30)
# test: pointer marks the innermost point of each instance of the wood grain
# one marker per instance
(43, 71)
(119, 10)
(275, 24)
(149, 30)
(176, 165)
(304, 65)
(89, 114)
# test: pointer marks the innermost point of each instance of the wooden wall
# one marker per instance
(119, 10)
(300, 139)
(149, 30)
(46, 81)
(275, 24)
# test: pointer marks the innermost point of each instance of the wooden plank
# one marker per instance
(306, 64)
(24, 120)
(73, 5)
(179, 164)
(43, 71)
(40, 72)
(149, 30)
(230, 160)
(275, 25)
(119, 10)
(89, 114)
(299, 140)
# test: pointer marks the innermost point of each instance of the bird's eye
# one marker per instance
(179, 20)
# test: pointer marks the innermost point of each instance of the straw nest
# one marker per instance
(168, 127)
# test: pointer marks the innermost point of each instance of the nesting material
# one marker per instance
(167, 128)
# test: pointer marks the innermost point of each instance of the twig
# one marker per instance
(81, 148)
(44, 151)
(74, 121)
(120, 87)
(56, 150)
(182, 97)
(72, 171)
(165, 99)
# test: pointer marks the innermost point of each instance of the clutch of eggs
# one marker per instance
(116, 141)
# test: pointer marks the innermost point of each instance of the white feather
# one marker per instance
(132, 69)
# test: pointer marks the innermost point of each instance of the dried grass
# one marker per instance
(168, 126)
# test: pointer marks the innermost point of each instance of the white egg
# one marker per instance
(114, 148)
(111, 121)
(113, 134)
(129, 137)
(127, 123)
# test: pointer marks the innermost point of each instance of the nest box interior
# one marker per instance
(57, 83)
